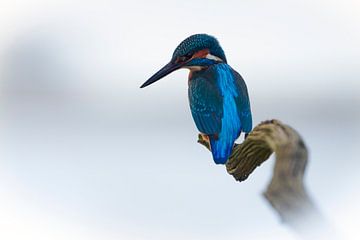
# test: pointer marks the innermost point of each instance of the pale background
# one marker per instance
(86, 154)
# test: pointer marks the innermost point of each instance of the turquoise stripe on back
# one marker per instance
(231, 125)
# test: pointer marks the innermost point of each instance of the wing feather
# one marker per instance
(206, 105)
(243, 103)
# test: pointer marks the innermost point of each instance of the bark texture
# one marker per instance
(286, 192)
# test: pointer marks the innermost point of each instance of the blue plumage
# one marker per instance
(220, 107)
(198, 42)
(218, 96)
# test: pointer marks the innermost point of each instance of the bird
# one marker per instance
(218, 96)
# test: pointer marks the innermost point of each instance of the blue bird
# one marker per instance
(218, 95)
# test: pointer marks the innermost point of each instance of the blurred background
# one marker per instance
(86, 154)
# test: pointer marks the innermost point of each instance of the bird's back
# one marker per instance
(220, 107)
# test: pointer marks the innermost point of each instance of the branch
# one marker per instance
(286, 192)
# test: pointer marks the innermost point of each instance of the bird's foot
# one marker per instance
(204, 140)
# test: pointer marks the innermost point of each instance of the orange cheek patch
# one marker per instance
(201, 54)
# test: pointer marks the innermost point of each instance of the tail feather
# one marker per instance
(221, 150)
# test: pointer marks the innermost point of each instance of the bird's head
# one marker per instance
(195, 53)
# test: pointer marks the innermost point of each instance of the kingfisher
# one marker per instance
(218, 96)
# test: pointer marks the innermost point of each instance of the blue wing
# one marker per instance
(243, 103)
(220, 107)
(206, 105)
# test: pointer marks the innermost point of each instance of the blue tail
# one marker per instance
(221, 149)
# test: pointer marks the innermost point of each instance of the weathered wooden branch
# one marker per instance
(286, 192)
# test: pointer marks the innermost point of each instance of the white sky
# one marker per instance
(300, 60)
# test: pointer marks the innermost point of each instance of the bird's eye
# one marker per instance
(188, 55)
(184, 58)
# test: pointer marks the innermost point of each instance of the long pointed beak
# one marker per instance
(167, 69)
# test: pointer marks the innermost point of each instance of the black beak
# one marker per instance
(167, 69)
